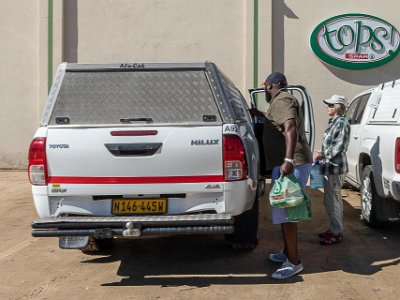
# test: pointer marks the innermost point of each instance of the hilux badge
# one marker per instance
(204, 142)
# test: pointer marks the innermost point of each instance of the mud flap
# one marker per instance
(73, 242)
(246, 229)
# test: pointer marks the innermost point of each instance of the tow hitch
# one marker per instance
(132, 230)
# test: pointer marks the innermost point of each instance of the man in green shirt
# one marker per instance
(284, 114)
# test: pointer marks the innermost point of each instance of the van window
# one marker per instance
(356, 109)
(351, 110)
(361, 108)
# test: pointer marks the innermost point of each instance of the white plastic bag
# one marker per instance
(286, 192)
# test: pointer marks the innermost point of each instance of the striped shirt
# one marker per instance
(334, 146)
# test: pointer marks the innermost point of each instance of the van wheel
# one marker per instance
(369, 198)
(96, 246)
(245, 236)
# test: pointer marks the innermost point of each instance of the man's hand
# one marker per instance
(286, 168)
(256, 113)
(317, 155)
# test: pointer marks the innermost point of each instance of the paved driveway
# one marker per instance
(364, 266)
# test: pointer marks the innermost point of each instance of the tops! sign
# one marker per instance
(355, 41)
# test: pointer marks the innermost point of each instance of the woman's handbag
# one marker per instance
(286, 192)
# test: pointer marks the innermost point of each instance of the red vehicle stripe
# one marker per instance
(134, 180)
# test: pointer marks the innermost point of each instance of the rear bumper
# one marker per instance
(133, 226)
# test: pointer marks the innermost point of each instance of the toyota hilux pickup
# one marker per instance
(131, 150)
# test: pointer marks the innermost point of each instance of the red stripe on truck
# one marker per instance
(135, 180)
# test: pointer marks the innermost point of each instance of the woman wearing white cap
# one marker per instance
(334, 166)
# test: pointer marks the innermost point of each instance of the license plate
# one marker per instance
(139, 206)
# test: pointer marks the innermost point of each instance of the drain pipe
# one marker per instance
(49, 44)
(255, 44)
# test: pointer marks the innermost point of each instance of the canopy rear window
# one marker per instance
(110, 98)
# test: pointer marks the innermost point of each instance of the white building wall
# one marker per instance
(164, 31)
(19, 21)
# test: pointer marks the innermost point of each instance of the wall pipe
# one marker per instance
(49, 44)
(255, 44)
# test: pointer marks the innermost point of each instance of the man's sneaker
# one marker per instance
(287, 270)
(279, 257)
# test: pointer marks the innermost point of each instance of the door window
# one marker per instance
(351, 110)
(259, 101)
(361, 108)
(356, 109)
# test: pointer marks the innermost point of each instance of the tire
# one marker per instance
(369, 198)
(245, 236)
(97, 246)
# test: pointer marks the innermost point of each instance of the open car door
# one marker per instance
(257, 98)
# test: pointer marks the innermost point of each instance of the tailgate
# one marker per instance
(180, 154)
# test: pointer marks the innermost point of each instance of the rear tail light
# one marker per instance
(37, 167)
(235, 167)
(397, 156)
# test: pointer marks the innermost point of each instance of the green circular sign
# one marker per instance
(355, 41)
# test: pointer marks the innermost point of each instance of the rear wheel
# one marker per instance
(369, 198)
(245, 236)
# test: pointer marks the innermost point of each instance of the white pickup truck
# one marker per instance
(374, 151)
(128, 150)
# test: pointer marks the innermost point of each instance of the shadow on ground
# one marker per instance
(201, 261)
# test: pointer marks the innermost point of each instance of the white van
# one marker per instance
(374, 151)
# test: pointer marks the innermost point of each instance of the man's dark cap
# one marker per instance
(276, 77)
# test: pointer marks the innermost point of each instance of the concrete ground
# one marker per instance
(364, 266)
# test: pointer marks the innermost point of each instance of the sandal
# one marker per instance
(325, 234)
(332, 239)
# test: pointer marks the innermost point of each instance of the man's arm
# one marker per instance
(290, 139)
